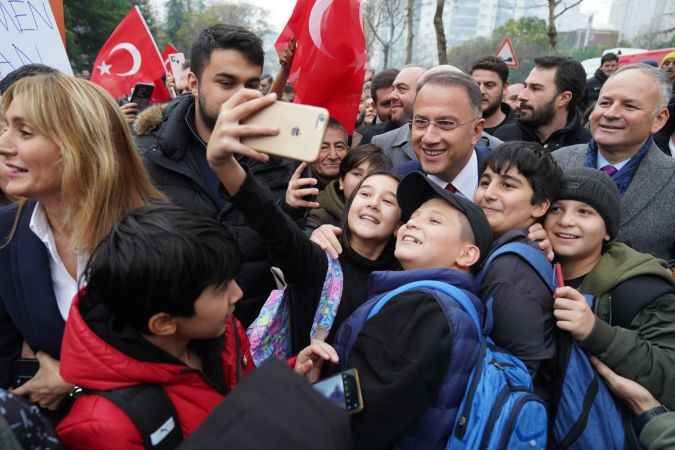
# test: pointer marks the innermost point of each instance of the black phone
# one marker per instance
(141, 95)
(343, 389)
(23, 369)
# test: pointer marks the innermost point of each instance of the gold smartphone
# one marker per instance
(301, 130)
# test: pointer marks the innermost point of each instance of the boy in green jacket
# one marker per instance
(632, 326)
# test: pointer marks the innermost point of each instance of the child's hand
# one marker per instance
(310, 360)
(573, 313)
(537, 234)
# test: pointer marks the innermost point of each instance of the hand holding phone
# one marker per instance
(141, 95)
(343, 389)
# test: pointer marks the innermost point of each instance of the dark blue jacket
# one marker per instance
(414, 359)
(28, 308)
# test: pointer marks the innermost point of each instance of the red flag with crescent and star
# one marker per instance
(330, 59)
(130, 56)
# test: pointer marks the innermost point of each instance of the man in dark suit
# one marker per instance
(446, 126)
(633, 105)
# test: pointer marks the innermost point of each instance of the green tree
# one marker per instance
(175, 17)
(529, 41)
(247, 15)
(88, 26)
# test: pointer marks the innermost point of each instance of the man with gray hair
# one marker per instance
(631, 107)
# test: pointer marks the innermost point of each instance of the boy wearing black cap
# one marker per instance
(632, 325)
(408, 356)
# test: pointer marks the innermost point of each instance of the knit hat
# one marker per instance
(670, 55)
(598, 190)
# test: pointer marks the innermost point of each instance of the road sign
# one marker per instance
(507, 53)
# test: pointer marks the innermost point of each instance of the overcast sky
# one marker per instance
(280, 10)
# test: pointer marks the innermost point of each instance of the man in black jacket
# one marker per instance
(548, 105)
(608, 65)
(492, 76)
(224, 60)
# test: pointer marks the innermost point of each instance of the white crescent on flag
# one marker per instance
(315, 19)
(135, 55)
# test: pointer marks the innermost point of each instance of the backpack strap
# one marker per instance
(148, 406)
(331, 295)
(533, 257)
(458, 295)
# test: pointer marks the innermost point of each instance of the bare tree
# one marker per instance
(441, 42)
(410, 38)
(386, 22)
(553, 16)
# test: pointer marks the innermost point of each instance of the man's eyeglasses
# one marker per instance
(421, 123)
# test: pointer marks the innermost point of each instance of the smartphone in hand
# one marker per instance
(301, 130)
(343, 389)
(141, 95)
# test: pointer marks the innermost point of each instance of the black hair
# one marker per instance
(335, 124)
(379, 161)
(382, 79)
(493, 64)
(609, 57)
(346, 232)
(24, 71)
(159, 258)
(569, 76)
(225, 37)
(533, 162)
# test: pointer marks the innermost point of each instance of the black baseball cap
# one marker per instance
(416, 188)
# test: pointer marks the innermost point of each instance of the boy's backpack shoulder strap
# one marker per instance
(152, 412)
(533, 257)
(634, 294)
(457, 294)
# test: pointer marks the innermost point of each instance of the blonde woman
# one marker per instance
(67, 153)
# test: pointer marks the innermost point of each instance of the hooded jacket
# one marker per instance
(332, 208)
(593, 86)
(174, 155)
(573, 133)
(97, 356)
(645, 351)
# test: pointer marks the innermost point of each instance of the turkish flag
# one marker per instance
(330, 59)
(169, 49)
(130, 56)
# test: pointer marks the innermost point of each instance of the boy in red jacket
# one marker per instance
(157, 309)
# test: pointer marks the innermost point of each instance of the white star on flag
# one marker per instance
(104, 68)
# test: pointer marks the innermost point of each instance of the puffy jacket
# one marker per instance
(173, 153)
(644, 351)
(95, 356)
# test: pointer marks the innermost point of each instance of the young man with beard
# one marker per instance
(548, 105)
(224, 59)
(492, 76)
(381, 90)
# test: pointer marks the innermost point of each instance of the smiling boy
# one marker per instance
(515, 190)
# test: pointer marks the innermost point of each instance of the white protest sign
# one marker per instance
(177, 61)
(29, 34)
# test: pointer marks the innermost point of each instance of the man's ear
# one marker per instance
(477, 131)
(468, 257)
(193, 83)
(162, 324)
(540, 209)
(564, 99)
(660, 120)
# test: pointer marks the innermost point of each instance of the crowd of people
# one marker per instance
(145, 255)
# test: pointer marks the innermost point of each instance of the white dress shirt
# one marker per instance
(466, 181)
(65, 287)
(602, 162)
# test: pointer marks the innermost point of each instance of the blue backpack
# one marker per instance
(587, 415)
(493, 390)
